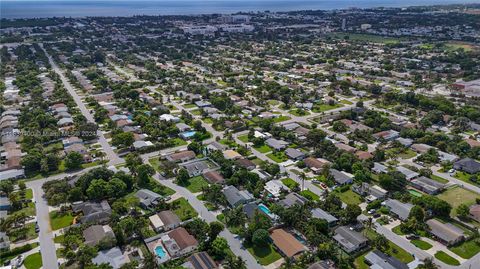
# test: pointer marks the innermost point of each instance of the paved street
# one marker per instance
(47, 246)
(110, 154)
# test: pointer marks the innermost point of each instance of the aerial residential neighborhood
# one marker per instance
(319, 139)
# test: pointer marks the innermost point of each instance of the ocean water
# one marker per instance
(77, 8)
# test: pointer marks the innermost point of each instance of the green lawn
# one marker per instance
(195, 112)
(325, 107)
(195, 184)
(278, 156)
(290, 183)
(243, 138)
(345, 102)
(397, 230)
(155, 163)
(366, 38)
(58, 221)
(421, 244)
(189, 106)
(444, 257)
(33, 261)
(183, 209)
(27, 232)
(281, 118)
(159, 188)
(349, 197)
(59, 239)
(463, 177)
(178, 142)
(264, 255)
(360, 262)
(466, 249)
(309, 195)
(299, 112)
(439, 179)
(28, 194)
(394, 250)
(456, 196)
(263, 149)
(207, 120)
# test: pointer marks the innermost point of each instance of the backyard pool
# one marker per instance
(188, 134)
(264, 209)
(160, 251)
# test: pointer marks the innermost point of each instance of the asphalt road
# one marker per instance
(47, 246)
(110, 154)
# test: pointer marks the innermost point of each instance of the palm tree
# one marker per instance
(303, 177)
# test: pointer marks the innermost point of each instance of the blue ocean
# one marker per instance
(77, 8)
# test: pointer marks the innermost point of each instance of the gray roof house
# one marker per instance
(427, 185)
(294, 154)
(401, 210)
(148, 198)
(322, 214)
(93, 212)
(236, 197)
(4, 242)
(340, 177)
(292, 199)
(349, 240)
(114, 257)
(409, 174)
(96, 233)
(447, 233)
(379, 168)
(276, 144)
(467, 165)
(380, 260)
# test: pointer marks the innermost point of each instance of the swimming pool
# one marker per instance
(264, 209)
(160, 251)
(188, 134)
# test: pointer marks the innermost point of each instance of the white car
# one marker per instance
(451, 171)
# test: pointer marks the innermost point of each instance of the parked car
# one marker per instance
(412, 236)
(376, 215)
(37, 228)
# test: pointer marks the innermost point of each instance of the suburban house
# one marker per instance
(322, 214)
(349, 240)
(276, 144)
(378, 259)
(179, 242)
(235, 197)
(316, 164)
(96, 233)
(199, 166)
(287, 244)
(323, 264)
(214, 177)
(427, 185)
(409, 174)
(379, 168)
(148, 199)
(245, 163)
(113, 257)
(387, 135)
(467, 165)
(201, 260)
(291, 199)
(164, 221)
(399, 209)
(446, 233)
(93, 212)
(275, 187)
(340, 177)
(370, 192)
(231, 154)
(294, 154)
(181, 156)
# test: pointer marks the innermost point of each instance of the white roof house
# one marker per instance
(274, 187)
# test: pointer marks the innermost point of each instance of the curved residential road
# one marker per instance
(234, 243)
(110, 154)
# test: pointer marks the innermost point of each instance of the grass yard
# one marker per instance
(29, 194)
(27, 232)
(466, 249)
(393, 250)
(345, 102)
(207, 120)
(464, 177)
(264, 255)
(397, 230)
(278, 156)
(58, 220)
(281, 118)
(195, 184)
(155, 163)
(263, 149)
(178, 142)
(444, 257)
(189, 106)
(299, 112)
(290, 183)
(183, 209)
(195, 112)
(439, 179)
(59, 239)
(159, 188)
(421, 244)
(243, 138)
(360, 262)
(349, 197)
(325, 107)
(33, 261)
(366, 38)
(456, 196)
(309, 195)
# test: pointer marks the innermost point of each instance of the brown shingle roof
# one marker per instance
(286, 243)
(214, 177)
(183, 238)
(168, 217)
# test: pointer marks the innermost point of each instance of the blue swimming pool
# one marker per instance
(188, 134)
(264, 209)
(160, 252)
